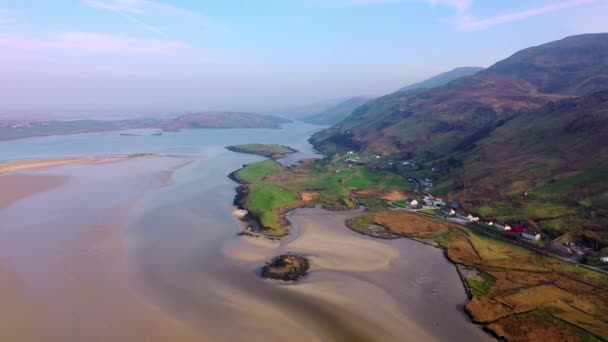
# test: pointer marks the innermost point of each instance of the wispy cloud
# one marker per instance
(92, 43)
(458, 4)
(469, 23)
(133, 10)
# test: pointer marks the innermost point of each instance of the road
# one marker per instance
(497, 235)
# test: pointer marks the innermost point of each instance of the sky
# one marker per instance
(163, 57)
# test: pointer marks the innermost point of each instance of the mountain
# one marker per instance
(336, 113)
(437, 121)
(443, 78)
(574, 65)
(562, 144)
(224, 120)
(524, 140)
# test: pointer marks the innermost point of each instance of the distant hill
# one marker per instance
(443, 78)
(301, 111)
(336, 113)
(224, 120)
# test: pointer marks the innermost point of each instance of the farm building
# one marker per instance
(412, 202)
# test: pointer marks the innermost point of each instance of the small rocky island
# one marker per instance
(271, 151)
(286, 267)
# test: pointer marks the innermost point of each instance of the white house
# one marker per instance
(428, 201)
(448, 211)
(530, 235)
(604, 259)
(502, 226)
(468, 217)
(412, 202)
(438, 202)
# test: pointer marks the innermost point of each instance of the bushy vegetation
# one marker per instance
(480, 287)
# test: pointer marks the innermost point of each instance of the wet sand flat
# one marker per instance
(384, 289)
(14, 187)
(62, 270)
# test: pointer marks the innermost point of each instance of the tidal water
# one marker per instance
(148, 250)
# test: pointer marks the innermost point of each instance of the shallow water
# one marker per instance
(174, 267)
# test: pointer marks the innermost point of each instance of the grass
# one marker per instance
(480, 287)
(401, 203)
(273, 189)
(257, 171)
(373, 204)
(265, 199)
(262, 148)
(361, 223)
(430, 211)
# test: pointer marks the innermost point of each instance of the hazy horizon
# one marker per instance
(113, 58)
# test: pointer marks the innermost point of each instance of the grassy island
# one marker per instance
(268, 150)
(270, 190)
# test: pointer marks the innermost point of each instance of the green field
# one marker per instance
(257, 171)
(273, 190)
(264, 200)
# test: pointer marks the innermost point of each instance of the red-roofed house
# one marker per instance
(518, 229)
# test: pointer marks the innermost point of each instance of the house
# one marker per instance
(518, 229)
(428, 201)
(472, 218)
(412, 202)
(468, 217)
(530, 235)
(438, 202)
(351, 152)
(448, 211)
(426, 184)
(488, 222)
(604, 259)
(454, 205)
(502, 226)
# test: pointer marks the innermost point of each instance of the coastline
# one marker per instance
(253, 228)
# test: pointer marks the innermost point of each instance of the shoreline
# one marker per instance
(250, 220)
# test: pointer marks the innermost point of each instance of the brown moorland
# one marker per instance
(515, 293)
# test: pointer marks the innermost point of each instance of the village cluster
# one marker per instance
(455, 211)
(451, 210)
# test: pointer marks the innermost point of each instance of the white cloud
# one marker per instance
(469, 23)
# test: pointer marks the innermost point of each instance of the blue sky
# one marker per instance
(144, 56)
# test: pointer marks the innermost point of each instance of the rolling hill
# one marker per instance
(336, 113)
(224, 120)
(443, 78)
